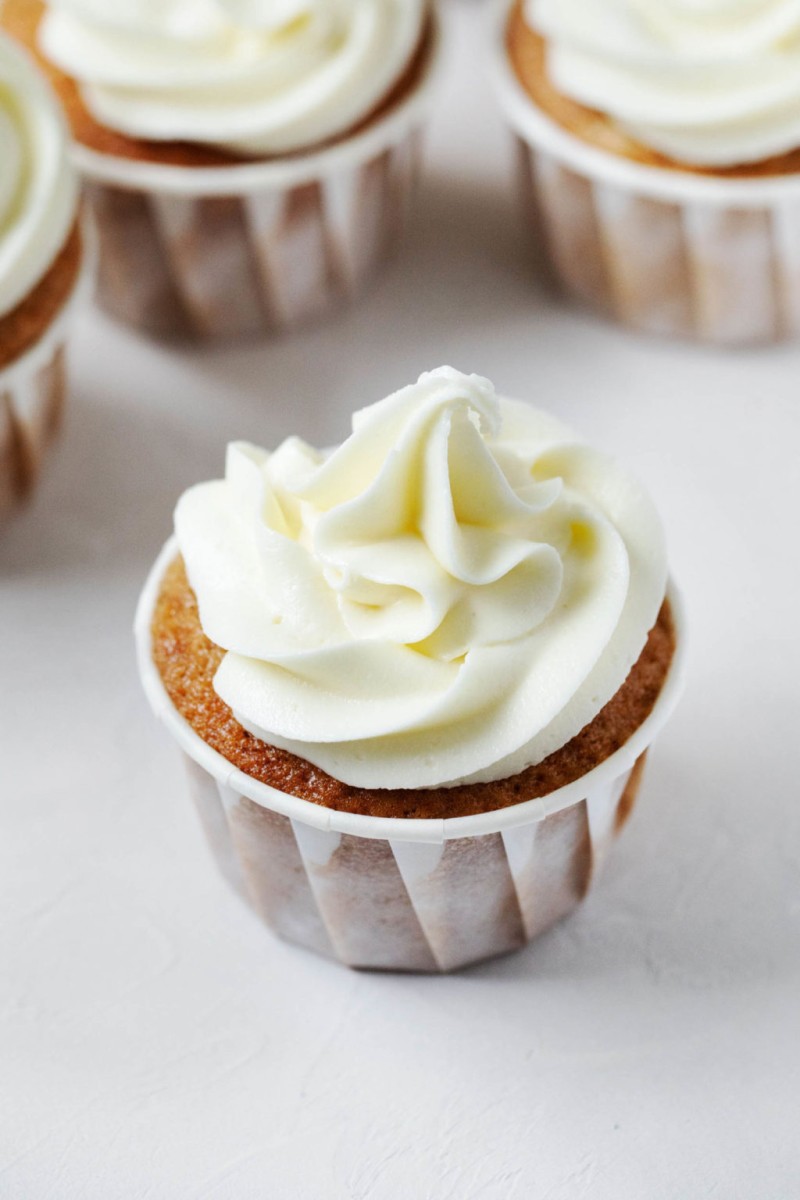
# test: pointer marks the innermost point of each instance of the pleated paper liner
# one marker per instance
(223, 252)
(659, 250)
(33, 391)
(406, 895)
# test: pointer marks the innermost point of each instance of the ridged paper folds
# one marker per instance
(268, 260)
(31, 403)
(407, 905)
(703, 269)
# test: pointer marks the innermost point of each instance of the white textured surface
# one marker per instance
(155, 1042)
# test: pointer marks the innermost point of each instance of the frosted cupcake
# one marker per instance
(661, 151)
(415, 678)
(249, 162)
(41, 269)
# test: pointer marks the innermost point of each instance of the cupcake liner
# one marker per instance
(408, 895)
(258, 247)
(660, 250)
(32, 396)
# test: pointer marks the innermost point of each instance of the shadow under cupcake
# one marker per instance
(44, 270)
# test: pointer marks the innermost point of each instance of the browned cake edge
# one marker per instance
(187, 662)
(527, 51)
(21, 19)
(21, 328)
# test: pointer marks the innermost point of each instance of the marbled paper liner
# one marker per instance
(661, 251)
(33, 392)
(408, 895)
(210, 253)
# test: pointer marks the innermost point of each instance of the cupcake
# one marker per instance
(41, 269)
(660, 151)
(415, 677)
(248, 163)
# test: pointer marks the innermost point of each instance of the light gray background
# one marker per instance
(156, 1041)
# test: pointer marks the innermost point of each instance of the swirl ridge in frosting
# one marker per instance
(713, 84)
(248, 76)
(38, 187)
(448, 596)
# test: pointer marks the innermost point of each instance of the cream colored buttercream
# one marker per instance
(450, 595)
(251, 76)
(707, 82)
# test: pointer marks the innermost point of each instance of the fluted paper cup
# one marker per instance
(660, 250)
(33, 390)
(241, 250)
(397, 894)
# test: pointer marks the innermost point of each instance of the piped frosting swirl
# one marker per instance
(448, 596)
(255, 77)
(711, 83)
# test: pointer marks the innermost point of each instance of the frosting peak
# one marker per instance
(250, 76)
(422, 539)
(38, 189)
(706, 82)
(451, 594)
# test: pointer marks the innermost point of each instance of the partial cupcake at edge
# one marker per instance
(660, 150)
(43, 269)
(415, 677)
(249, 165)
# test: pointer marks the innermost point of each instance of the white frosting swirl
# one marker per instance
(707, 82)
(450, 595)
(38, 189)
(250, 76)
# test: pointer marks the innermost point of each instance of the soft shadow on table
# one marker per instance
(459, 279)
(106, 494)
(691, 897)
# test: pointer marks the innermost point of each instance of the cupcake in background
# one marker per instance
(42, 268)
(660, 144)
(249, 163)
(415, 678)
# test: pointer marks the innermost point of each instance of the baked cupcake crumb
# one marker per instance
(23, 326)
(187, 661)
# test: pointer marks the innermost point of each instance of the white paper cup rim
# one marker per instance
(37, 354)
(276, 173)
(434, 830)
(662, 183)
